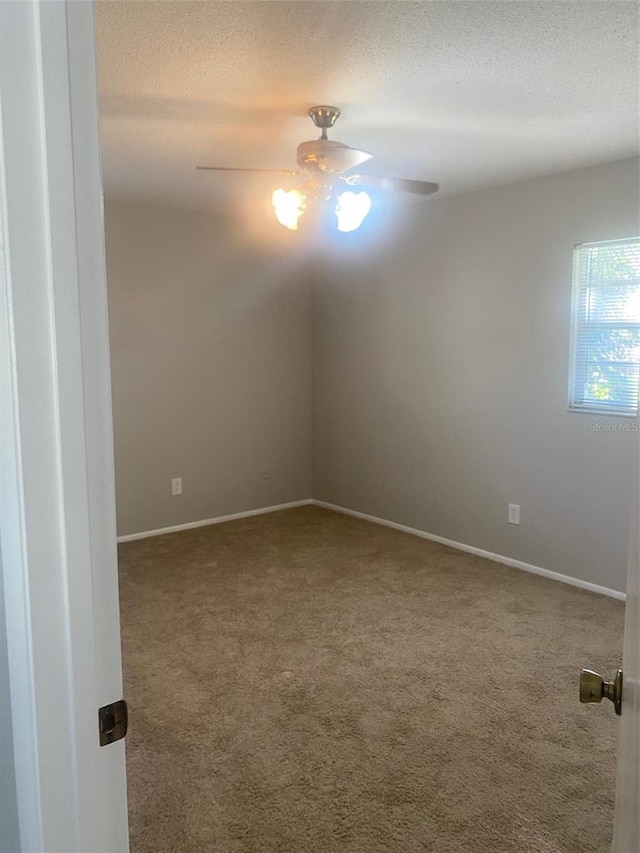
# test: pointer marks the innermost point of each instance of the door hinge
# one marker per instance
(113, 720)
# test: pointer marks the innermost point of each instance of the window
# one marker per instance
(605, 329)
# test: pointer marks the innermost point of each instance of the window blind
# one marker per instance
(605, 331)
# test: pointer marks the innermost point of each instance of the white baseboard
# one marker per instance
(146, 534)
(460, 546)
(479, 552)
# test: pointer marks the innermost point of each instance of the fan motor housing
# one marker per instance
(329, 156)
(312, 153)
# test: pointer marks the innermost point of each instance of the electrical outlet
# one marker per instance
(266, 474)
(513, 514)
(176, 486)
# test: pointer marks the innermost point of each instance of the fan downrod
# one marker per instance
(324, 117)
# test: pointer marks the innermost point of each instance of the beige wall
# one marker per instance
(439, 370)
(210, 358)
(440, 374)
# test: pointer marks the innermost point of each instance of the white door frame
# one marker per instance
(57, 496)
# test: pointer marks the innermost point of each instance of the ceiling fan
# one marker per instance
(327, 165)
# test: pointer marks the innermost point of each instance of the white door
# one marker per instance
(627, 819)
(57, 505)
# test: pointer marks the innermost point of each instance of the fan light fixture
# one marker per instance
(350, 208)
(289, 207)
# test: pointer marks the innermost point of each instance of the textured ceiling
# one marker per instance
(468, 94)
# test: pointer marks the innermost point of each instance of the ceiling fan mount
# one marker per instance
(324, 117)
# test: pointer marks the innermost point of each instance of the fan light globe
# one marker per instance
(352, 209)
(288, 207)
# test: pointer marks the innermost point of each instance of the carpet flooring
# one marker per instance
(305, 681)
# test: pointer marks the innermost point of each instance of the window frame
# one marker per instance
(577, 371)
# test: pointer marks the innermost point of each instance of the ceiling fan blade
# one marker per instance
(398, 185)
(241, 169)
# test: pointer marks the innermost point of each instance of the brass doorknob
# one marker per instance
(593, 688)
